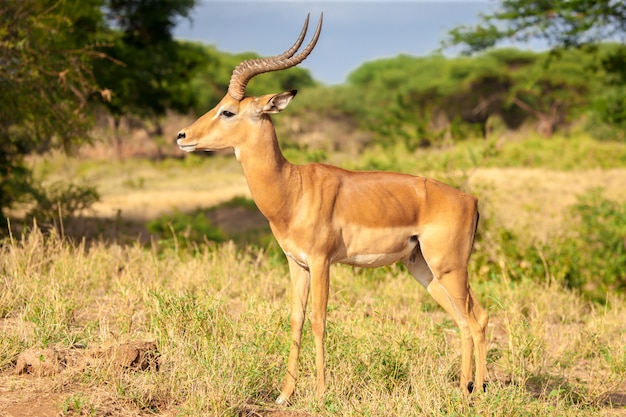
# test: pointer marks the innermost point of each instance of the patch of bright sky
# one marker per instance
(353, 31)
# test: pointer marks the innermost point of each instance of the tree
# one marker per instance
(423, 99)
(548, 89)
(46, 80)
(149, 70)
(481, 86)
(563, 24)
(399, 98)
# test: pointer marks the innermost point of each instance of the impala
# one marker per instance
(322, 214)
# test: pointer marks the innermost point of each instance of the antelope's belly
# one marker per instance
(377, 247)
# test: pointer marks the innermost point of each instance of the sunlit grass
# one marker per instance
(220, 321)
(532, 151)
(219, 312)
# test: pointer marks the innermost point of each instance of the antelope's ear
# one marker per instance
(278, 102)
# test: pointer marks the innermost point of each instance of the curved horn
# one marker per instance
(244, 72)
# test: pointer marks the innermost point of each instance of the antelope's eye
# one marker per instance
(227, 113)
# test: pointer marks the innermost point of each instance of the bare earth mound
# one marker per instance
(34, 365)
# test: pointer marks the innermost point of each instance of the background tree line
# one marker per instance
(423, 100)
(63, 62)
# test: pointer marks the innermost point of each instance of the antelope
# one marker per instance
(322, 214)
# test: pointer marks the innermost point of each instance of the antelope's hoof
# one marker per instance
(470, 387)
(282, 400)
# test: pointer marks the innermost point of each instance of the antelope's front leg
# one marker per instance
(299, 296)
(319, 298)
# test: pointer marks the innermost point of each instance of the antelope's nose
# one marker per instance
(181, 135)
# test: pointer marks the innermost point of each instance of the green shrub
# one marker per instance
(185, 230)
(190, 231)
(598, 251)
(590, 257)
(61, 201)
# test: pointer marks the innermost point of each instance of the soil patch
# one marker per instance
(33, 405)
(35, 366)
(138, 356)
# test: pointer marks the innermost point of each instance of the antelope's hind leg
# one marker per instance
(450, 288)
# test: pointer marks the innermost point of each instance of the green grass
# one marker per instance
(559, 153)
(220, 320)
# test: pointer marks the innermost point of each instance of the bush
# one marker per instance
(185, 230)
(62, 201)
(589, 258)
(598, 251)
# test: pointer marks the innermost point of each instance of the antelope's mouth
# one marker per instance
(187, 148)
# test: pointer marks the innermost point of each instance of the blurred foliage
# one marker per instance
(46, 52)
(563, 25)
(147, 68)
(194, 230)
(60, 201)
(589, 257)
(185, 230)
(598, 249)
(426, 100)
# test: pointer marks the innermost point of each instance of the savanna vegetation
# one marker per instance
(152, 286)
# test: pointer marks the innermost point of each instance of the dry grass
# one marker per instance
(219, 317)
(536, 200)
(220, 322)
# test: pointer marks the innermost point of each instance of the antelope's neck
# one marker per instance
(273, 181)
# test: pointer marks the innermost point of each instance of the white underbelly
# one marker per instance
(381, 249)
(361, 247)
(374, 260)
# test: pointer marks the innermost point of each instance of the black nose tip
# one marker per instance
(181, 135)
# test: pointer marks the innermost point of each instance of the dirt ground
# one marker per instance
(31, 405)
(34, 366)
